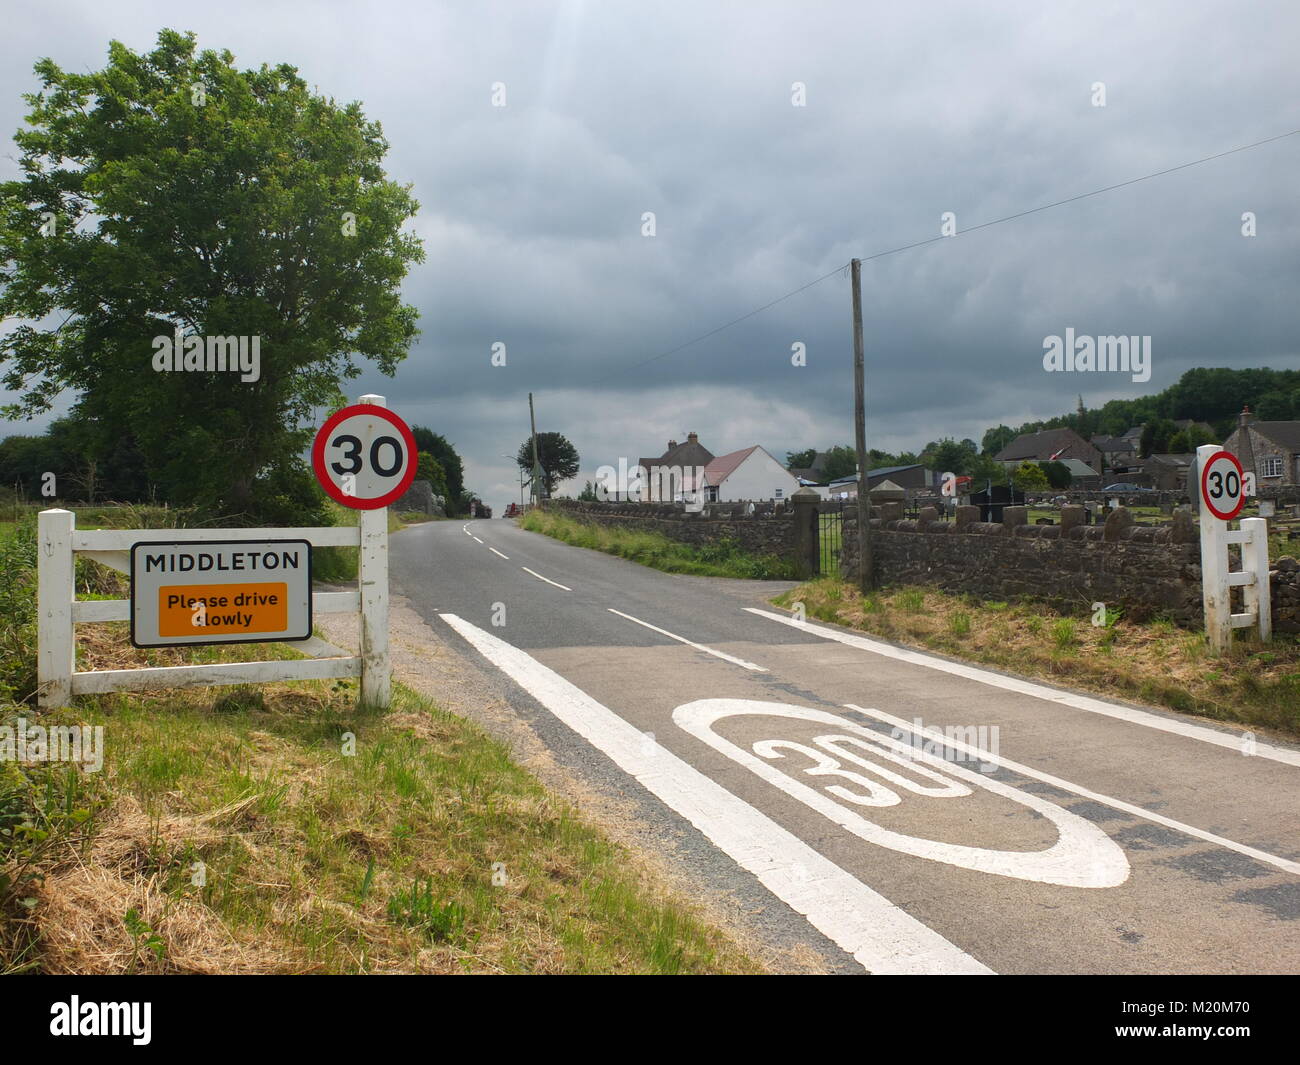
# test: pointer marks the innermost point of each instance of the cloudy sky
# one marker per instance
(532, 213)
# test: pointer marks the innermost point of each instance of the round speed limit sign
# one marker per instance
(1223, 488)
(364, 457)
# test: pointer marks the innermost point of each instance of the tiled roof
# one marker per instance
(723, 466)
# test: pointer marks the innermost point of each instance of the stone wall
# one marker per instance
(763, 529)
(420, 497)
(1147, 570)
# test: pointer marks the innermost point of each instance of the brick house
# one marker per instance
(1271, 449)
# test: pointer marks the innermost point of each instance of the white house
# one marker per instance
(749, 474)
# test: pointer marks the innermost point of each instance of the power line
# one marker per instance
(934, 240)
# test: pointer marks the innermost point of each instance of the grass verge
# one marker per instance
(278, 828)
(725, 558)
(1155, 662)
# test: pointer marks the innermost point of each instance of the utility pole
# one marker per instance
(866, 568)
(537, 466)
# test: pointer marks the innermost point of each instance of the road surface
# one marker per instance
(1036, 831)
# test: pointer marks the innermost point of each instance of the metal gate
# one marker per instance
(830, 536)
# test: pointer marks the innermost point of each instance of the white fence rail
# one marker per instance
(60, 611)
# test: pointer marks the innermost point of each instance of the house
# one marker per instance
(748, 474)
(1050, 445)
(1169, 473)
(675, 473)
(1082, 476)
(914, 480)
(1271, 449)
(1118, 453)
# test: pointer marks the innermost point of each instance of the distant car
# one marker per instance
(1121, 487)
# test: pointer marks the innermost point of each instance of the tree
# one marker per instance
(800, 460)
(984, 471)
(171, 197)
(1156, 436)
(588, 493)
(1058, 474)
(1029, 477)
(949, 456)
(558, 457)
(453, 469)
(996, 439)
(430, 469)
(841, 461)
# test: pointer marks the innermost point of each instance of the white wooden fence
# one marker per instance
(60, 611)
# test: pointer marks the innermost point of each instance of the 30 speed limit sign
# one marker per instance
(364, 457)
(1223, 486)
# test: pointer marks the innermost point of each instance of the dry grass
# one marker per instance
(311, 856)
(1155, 662)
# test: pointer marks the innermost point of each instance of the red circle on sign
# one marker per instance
(1225, 515)
(333, 490)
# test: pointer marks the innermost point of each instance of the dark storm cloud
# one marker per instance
(532, 213)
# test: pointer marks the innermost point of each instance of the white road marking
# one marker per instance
(1039, 691)
(690, 643)
(496, 552)
(878, 934)
(546, 579)
(1082, 856)
(476, 538)
(1118, 804)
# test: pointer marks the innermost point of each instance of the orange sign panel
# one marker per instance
(222, 609)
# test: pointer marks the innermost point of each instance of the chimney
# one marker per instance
(692, 438)
(1245, 417)
(672, 444)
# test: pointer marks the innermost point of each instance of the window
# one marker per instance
(779, 492)
(1272, 468)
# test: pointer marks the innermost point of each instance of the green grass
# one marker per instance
(721, 559)
(425, 849)
(1156, 662)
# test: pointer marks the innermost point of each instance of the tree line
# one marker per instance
(1214, 396)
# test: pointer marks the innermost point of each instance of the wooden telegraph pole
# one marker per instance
(866, 568)
(537, 466)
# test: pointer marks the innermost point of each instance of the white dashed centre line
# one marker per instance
(690, 643)
(496, 552)
(476, 538)
(546, 579)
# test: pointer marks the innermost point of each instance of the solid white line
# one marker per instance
(476, 538)
(879, 935)
(689, 643)
(1118, 804)
(496, 552)
(546, 579)
(1039, 691)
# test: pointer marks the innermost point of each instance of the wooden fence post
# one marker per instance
(55, 590)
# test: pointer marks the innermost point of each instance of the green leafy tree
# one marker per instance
(588, 493)
(800, 460)
(559, 459)
(1029, 477)
(948, 456)
(453, 469)
(841, 461)
(996, 439)
(984, 471)
(1058, 474)
(430, 469)
(1156, 437)
(172, 195)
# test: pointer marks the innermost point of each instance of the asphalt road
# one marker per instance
(1040, 831)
